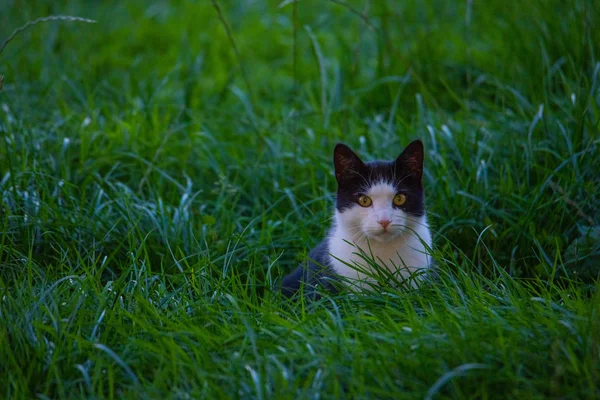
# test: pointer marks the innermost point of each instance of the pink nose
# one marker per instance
(384, 222)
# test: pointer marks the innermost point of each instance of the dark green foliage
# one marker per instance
(150, 197)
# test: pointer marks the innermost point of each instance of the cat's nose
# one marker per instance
(384, 222)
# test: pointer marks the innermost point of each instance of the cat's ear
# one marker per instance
(411, 159)
(346, 162)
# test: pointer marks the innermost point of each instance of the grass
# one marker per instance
(162, 168)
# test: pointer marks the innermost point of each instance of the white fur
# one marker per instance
(402, 248)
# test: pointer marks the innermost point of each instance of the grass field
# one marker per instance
(162, 168)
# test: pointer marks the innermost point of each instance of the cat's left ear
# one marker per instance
(347, 164)
(411, 159)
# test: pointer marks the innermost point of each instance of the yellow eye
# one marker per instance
(399, 199)
(365, 201)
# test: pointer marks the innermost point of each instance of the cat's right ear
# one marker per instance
(347, 164)
(411, 159)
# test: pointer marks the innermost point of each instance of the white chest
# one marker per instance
(403, 255)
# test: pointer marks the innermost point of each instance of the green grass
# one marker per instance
(157, 178)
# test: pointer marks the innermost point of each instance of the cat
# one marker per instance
(379, 218)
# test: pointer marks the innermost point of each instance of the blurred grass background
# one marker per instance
(153, 146)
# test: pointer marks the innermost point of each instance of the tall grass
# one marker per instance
(152, 196)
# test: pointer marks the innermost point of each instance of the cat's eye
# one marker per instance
(399, 199)
(365, 201)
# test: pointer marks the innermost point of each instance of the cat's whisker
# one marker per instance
(359, 235)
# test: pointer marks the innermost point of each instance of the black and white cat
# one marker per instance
(380, 214)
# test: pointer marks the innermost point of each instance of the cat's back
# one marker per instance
(312, 272)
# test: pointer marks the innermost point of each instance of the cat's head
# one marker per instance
(379, 199)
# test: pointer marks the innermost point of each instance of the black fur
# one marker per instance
(312, 276)
(354, 177)
(405, 173)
